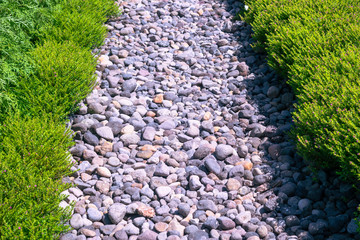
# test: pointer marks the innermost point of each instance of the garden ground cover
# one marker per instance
(315, 45)
(46, 69)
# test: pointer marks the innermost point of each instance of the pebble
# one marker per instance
(162, 191)
(226, 223)
(184, 209)
(203, 151)
(146, 211)
(149, 133)
(198, 235)
(129, 85)
(206, 205)
(194, 183)
(121, 235)
(243, 217)
(262, 231)
(76, 221)
(130, 138)
(94, 215)
(105, 132)
(212, 165)
(243, 150)
(117, 212)
(233, 184)
(159, 98)
(123, 53)
(223, 151)
(103, 171)
(161, 226)
(147, 235)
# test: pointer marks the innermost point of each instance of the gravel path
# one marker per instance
(184, 137)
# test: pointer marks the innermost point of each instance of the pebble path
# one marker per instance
(184, 137)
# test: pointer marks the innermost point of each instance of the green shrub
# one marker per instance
(328, 120)
(27, 23)
(46, 69)
(19, 24)
(316, 45)
(81, 21)
(33, 159)
(63, 76)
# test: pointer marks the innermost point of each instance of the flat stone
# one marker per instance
(162, 170)
(96, 108)
(106, 147)
(247, 165)
(107, 229)
(121, 235)
(131, 229)
(237, 170)
(91, 139)
(88, 232)
(149, 133)
(274, 151)
(212, 165)
(68, 236)
(103, 171)
(206, 205)
(113, 161)
(288, 188)
(130, 138)
(144, 154)
(105, 132)
(352, 227)
(168, 125)
(273, 92)
(243, 69)
(126, 31)
(211, 223)
(163, 191)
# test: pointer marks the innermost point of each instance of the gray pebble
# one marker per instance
(117, 212)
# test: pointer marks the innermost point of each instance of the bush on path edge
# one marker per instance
(46, 69)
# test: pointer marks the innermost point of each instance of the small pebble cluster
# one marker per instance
(185, 137)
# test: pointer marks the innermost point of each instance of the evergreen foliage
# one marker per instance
(46, 69)
(316, 46)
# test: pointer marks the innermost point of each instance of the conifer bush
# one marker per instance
(20, 22)
(81, 21)
(63, 75)
(316, 46)
(33, 159)
(46, 69)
